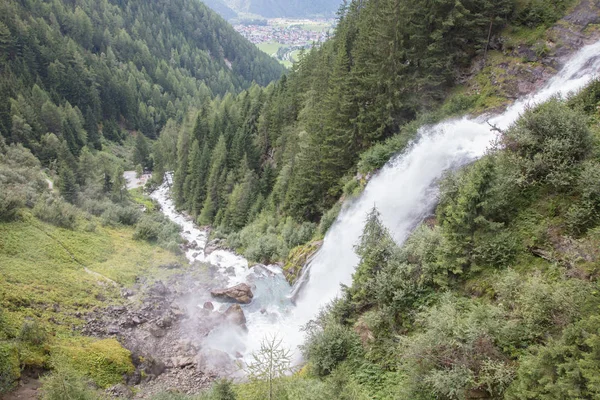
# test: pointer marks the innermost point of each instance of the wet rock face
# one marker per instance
(241, 293)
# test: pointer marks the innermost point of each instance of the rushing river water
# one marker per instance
(404, 192)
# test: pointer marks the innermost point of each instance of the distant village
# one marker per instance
(286, 32)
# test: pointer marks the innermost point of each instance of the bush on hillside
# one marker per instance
(566, 368)
(10, 203)
(549, 142)
(20, 181)
(265, 249)
(54, 210)
(65, 383)
(156, 228)
(105, 361)
(329, 218)
(33, 333)
(585, 213)
(9, 366)
(326, 348)
(533, 13)
(121, 215)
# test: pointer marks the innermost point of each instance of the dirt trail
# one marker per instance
(28, 390)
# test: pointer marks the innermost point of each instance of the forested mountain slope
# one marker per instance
(276, 160)
(82, 86)
(131, 62)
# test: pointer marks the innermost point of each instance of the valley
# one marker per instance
(409, 211)
(284, 38)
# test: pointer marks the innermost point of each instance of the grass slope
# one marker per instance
(50, 277)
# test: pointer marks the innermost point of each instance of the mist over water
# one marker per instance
(404, 192)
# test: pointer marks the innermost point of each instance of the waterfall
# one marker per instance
(404, 192)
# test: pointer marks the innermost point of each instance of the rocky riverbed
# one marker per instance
(199, 322)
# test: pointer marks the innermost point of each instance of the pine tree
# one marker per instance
(375, 250)
(67, 183)
(91, 127)
(218, 171)
(141, 152)
(119, 188)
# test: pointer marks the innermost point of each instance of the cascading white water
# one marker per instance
(404, 192)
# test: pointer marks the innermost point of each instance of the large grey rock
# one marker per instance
(235, 315)
(241, 293)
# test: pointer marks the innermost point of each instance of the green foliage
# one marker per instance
(270, 363)
(533, 13)
(329, 218)
(9, 366)
(32, 333)
(375, 251)
(54, 210)
(327, 347)
(548, 142)
(20, 180)
(158, 229)
(567, 367)
(116, 214)
(223, 390)
(66, 383)
(104, 361)
(585, 213)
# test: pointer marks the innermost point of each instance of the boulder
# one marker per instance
(241, 293)
(216, 360)
(157, 331)
(120, 391)
(209, 306)
(213, 246)
(235, 315)
(158, 289)
(181, 362)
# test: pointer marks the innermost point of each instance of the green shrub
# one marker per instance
(65, 383)
(549, 141)
(265, 249)
(450, 355)
(121, 215)
(105, 361)
(21, 181)
(147, 229)
(379, 154)
(565, 368)
(295, 234)
(56, 211)
(33, 333)
(329, 218)
(532, 13)
(496, 249)
(585, 213)
(10, 203)
(223, 390)
(327, 348)
(9, 366)
(96, 207)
